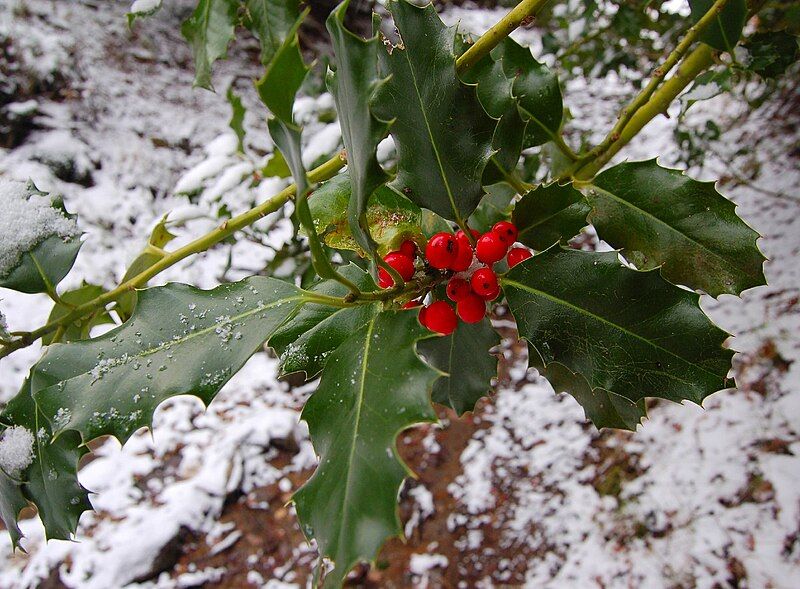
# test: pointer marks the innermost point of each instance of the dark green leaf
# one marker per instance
(771, 53)
(494, 207)
(209, 30)
(307, 339)
(81, 328)
(373, 387)
(276, 166)
(392, 217)
(664, 218)
(237, 118)
(550, 214)
(180, 340)
(442, 133)
(537, 90)
(723, 34)
(271, 21)
(464, 357)
(283, 77)
(12, 501)
(508, 141)
(353, 84)
(51, 480)
(601, 407)
(37, 265)
(630, 333)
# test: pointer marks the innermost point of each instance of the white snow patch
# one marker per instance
(16, 449)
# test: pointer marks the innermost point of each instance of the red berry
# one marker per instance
(464, 256)
(483, 281)
(441, 250)
(475, 234)
(491, 248)
(492, 295)
(408, 248)
(457, 289)
(505, 230)
(412, 304)
(471, 308)
(517, 255)
(400, 262)
(439, 317)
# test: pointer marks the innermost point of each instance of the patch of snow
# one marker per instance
(16, 449)
(27, 220)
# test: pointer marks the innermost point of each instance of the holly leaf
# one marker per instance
(706, 86)
(663, 218)
(305, 341)
(373, 387)
(550, 214)
(237, 118)
(272, 22)
(443, 135)
(723, 34)
(152, 253)
(353, 84)
(74, 298)
(537, 92)
(627, 332)
(771, 53)
(38, 258)
(392, 218)
(465, 359)
(12, 501)
(601, 407)
(179, 340)
(209, 30)
(51, 481)
(494, 207)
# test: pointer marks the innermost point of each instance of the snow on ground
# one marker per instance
(695, 498)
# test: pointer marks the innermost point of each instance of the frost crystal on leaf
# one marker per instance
(16, 449)
(28, 219)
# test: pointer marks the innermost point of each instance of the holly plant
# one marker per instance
(435, 239)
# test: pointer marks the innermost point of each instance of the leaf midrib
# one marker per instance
(600, 319)
(728, 263)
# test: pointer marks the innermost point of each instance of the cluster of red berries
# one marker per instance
(469, 287)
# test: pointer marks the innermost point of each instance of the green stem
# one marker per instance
(323, 172)
(512, 179)
(692, 66)
(498, 32)
(627, 113)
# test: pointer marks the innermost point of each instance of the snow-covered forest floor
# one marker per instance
(523, 492)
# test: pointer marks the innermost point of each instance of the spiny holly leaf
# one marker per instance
(537, 91)
(271, 21)
(237, 118)
(12, 501)
(494, 207)
(663, 218)
(373, 387)
(723, 34)
(180, 340)
(464, 357)
(353, 84)
(39, 239)
(550, 214)
(391, 216)
(443, 135)
(152, 253)
(508, 141)
(601, 407)
(209, 30)
(51, 481)
(627, 332)
(771, 53)
(307, 339)
(74, 298)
